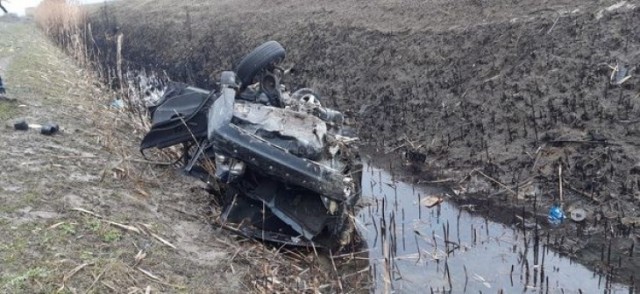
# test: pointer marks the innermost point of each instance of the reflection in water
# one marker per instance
(414, 249)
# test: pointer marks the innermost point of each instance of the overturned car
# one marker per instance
(285, 168)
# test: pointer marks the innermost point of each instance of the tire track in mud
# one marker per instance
(514, 98)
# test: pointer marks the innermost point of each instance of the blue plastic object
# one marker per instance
(556, 215)
(117, 104)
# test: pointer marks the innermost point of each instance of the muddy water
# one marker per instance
(415, 249)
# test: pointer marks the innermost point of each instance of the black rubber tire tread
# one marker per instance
(264, 55)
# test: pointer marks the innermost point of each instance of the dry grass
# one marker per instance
(117, 246)
(64, 21)
(260, 268)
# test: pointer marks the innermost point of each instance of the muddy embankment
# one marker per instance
(503, 101)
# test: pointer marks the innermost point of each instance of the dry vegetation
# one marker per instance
(64, 22)
(513, 89)
(135, 226)
(508, 89)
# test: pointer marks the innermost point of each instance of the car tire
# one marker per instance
(264, 55)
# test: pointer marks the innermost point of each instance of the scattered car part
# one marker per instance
(180, 117)
(46, 129)
(21, 126)
(49, 129)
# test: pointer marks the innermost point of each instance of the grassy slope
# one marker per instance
(46, 245)
(8, 45)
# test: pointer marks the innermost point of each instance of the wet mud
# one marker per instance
(513, 106)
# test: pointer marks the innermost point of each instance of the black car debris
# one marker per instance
(285, 168)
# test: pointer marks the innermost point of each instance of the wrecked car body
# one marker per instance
(287, 169)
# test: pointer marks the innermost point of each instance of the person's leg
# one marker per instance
(2, 90)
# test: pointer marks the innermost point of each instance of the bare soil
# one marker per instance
(491, 97)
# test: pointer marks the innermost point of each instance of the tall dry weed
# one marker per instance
(64, 21)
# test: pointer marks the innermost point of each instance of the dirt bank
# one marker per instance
(497, 96)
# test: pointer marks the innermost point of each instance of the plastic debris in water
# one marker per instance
(578, 214)
(556, 215)
(431, 201)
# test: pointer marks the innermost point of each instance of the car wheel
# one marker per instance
(263, 56)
